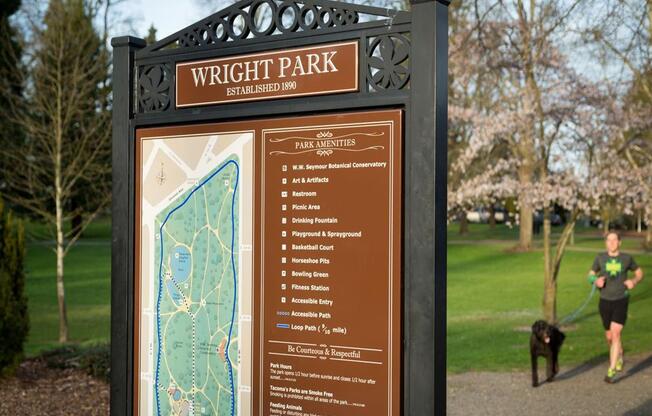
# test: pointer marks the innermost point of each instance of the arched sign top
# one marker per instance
(249, 21)
(377, 58)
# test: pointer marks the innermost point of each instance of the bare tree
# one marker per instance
(63, 157)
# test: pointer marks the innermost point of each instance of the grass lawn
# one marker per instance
(589, 237)
(98, 229)
(495, 296)
(482, 232)
(88, 290)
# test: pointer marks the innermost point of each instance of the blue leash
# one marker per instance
(577, 311)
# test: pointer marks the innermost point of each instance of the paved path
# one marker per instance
(576, 391)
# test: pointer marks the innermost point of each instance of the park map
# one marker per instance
(194, 331)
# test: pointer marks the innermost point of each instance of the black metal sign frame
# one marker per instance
(410, 74)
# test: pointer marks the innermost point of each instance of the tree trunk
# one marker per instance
(60, 249)
(492, 216)
(550, 285)
(525, 226)
(464, 223)
(549, 281)
(550, 301)
(648, 236)
(525, 207)
(61, 295)
(605, 225)
(528, 148)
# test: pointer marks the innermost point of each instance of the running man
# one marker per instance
(609, 274)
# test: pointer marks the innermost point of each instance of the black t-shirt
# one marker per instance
(615, 269)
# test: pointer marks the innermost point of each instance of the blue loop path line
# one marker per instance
(235, 282)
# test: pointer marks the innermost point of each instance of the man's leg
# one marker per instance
(607, 335)
(616, 349)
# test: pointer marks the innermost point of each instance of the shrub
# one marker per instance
(14, 321)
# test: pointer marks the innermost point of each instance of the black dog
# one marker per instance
(545, 341)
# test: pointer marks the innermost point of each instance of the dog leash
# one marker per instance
(572, 316)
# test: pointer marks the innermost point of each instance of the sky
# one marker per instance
(167, 16)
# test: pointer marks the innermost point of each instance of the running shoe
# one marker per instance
(611, 376)
(620, 364)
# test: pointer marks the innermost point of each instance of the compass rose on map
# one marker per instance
(160, 177)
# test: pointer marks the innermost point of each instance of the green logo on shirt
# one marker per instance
(614, 267)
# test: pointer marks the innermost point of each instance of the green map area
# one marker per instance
(196, 349)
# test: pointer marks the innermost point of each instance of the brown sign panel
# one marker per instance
(268, 267)
(314, 70)
(330, 276)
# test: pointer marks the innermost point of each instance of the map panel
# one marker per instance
(195, 303)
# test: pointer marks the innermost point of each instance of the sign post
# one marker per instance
(279, 213)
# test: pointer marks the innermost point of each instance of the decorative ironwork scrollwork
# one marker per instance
(259, 18)
(154, 83)
(388, 62)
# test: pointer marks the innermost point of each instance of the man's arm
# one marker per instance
(595, 268)
(596, 280)
(594, 272)
(638, 272)
(638, 276)
(592, 276)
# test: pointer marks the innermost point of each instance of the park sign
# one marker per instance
(314, 70)
(279, 213)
